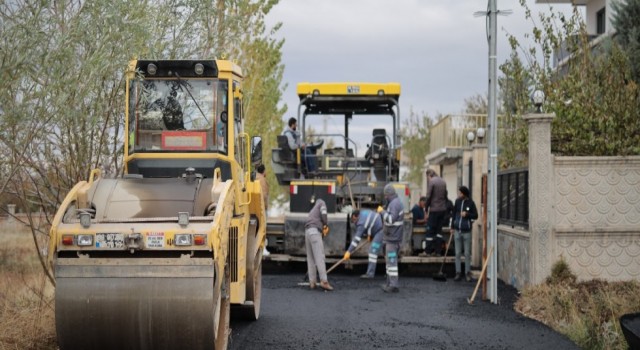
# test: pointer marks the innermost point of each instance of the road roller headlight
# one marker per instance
(183, 239)
(85, 240)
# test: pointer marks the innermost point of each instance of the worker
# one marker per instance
(419, 212)
(369, 222)
(172, 112)
(465, 212)
(294, 141)
(436, 205)
(392, 218)
(262, 179)
(314, 228)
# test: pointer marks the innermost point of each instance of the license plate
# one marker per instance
(109, 240)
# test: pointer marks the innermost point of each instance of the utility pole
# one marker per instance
(493, 153)
(492, 193)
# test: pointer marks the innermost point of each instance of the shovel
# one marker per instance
(306, 276)
(484, 269)
(441, 276)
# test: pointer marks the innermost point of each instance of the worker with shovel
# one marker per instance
(314, 229)
(392, 218)
(369, 222)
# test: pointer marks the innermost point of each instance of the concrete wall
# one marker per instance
(585, 210)
(450, 176)
(597, 221)
(513, 256)
(592, 9)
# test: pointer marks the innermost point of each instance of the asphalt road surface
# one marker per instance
(425, 314)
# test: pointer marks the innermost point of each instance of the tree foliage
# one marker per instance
(626, 21)
(476, 104)
(514, 133)
(61, 80)
(591, 93)
(415, 144)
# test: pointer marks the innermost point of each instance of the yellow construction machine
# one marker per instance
(155, 258)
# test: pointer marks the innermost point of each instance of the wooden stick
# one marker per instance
(484, 269)
(335, 265)
(342, 260)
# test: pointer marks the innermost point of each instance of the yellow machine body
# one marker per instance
(155, 258)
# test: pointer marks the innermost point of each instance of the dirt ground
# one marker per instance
(425, 314)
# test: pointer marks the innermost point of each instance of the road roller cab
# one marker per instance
(156, 258)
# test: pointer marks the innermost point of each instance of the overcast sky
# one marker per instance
(436, 49)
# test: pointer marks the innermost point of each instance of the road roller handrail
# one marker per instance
(153, 219)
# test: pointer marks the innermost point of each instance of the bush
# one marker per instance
(587, 312)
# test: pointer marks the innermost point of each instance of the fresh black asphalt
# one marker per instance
(425, 314)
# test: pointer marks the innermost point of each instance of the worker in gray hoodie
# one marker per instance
(314, 229)
(392, 218)
(367, 223)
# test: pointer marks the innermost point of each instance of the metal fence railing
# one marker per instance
(513, 197)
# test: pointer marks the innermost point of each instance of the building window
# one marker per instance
(600, 22)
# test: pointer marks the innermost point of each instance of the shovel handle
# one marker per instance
(342, 260)
(484, 269)
(335, 265)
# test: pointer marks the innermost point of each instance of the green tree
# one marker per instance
(476, 104)
(513, 136)
(62, 88)
(415, 144)
(592, 93)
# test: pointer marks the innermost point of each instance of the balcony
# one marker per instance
(451, 131)
(449, 136)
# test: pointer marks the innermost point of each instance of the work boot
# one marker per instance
(468, 277)
(326, 286)
(458, 277)
(366, 276)
(312, 284)
(389, 289)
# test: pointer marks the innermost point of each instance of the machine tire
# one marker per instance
(251, 310)
(224, 305)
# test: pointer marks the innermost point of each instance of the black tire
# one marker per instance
(222, 324)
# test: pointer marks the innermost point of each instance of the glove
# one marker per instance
(380, 209)
(346, 256)
(325, 230)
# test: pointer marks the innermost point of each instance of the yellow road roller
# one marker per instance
(158, 257)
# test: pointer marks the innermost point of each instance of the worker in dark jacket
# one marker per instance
(314, 228)
(392, 218)
(367, 222)
(437, 208)
(419, 212)
(464, 213)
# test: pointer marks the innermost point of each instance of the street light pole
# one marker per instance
(493, 154)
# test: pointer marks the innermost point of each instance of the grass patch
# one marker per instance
(586, 312)
(26, 296)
